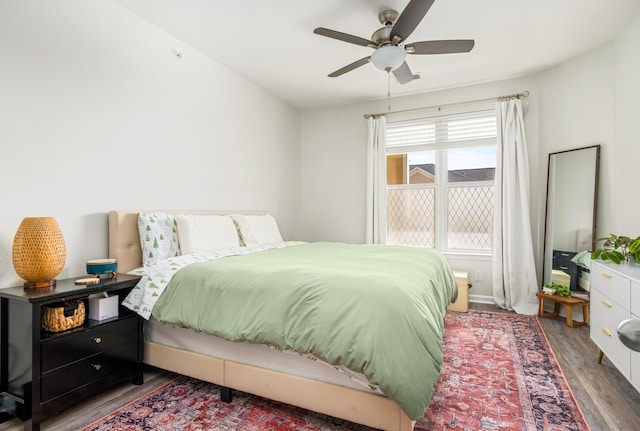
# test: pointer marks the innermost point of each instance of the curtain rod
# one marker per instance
(500, 98)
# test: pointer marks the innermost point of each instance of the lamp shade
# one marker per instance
(39, 252)
(388, 57)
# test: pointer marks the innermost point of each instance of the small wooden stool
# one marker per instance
(569, 302)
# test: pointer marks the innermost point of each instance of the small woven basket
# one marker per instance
(63, 316)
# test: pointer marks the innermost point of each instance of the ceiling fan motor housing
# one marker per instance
(381, 36)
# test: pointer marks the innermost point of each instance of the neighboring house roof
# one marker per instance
(428, 167)
(458, 175)
(419, 170)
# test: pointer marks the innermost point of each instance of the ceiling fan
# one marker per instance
(389, 42)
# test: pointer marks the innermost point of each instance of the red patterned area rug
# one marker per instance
(499, 373)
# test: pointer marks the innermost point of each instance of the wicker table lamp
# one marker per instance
(39, 252)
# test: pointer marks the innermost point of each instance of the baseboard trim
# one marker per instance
(481, 299)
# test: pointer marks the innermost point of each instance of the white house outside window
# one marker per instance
(440, 181)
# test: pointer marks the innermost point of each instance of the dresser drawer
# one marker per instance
(87, 370)
(611, 284)
(63, 350)
(635, 298)
(635, 369)
(605, 317)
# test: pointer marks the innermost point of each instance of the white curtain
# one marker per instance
(514, 274)
(376, 223)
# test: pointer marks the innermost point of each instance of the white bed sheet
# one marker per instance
(260, 355)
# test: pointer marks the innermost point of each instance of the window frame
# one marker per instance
(442, 184)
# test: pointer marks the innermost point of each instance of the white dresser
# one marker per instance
(615, 296)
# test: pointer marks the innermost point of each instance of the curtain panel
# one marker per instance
(514, 274)
(376, 222)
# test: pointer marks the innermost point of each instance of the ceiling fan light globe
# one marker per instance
(388, 57)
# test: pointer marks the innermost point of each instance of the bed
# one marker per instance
(319, 384)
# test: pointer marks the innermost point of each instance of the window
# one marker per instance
(440, 181)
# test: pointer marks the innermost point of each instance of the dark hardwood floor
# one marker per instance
(606, 398)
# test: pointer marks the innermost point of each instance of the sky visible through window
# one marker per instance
(458, 158)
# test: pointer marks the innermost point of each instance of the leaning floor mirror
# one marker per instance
(570, 224)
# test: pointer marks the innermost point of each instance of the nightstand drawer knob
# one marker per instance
(606, 304)
(96, 367)
(605, 275)
(607, 332)
(97, 340)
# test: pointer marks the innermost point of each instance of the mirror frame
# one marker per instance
(546, 211)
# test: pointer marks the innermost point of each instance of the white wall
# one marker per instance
(623, 198)
(577, 109)
(98, 113)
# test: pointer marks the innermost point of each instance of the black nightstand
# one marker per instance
(46, 372)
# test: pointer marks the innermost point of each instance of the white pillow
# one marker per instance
(258, 229)
(158, 237)
(199, 233)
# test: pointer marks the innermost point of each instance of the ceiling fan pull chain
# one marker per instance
(389, 90)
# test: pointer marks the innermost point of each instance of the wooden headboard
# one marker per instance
(124, 239)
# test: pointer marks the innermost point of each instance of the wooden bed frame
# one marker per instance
(361, 407)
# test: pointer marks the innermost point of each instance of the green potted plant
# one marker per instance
(559, 289)
(618, 249)
(634, 249)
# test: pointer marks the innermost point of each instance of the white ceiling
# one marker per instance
(271, 42)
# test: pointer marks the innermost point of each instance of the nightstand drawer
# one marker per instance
(73, 347)
(80, 373)
(611, 284)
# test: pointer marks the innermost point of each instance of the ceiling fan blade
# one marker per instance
(440, 47)
(344, 37)
(409, 19)
(350, 67)
(404, 75)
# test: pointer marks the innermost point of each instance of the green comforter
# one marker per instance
(376, 309)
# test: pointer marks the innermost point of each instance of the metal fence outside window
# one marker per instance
(411, 216)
